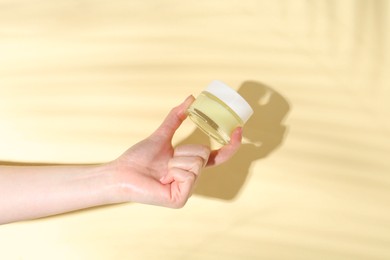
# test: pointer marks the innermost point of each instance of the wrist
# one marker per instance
(108, 182)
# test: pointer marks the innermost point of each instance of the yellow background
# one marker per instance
(81, 81)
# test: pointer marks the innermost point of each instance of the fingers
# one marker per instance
(220, 156)
(181, 184)
(174, 119)
(184, 169)
(189, 158)
(190, 150)
(192, 164)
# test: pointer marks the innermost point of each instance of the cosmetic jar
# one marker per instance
(218, 110)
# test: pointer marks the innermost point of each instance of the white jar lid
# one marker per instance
(231, 98)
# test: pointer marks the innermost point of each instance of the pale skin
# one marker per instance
(150, 172)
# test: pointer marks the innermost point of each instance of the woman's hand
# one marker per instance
(154, 172)
(151, 171)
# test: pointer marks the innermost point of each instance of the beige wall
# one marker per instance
(80, 81)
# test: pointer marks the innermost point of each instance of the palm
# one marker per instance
(143, 166)
(152, 157)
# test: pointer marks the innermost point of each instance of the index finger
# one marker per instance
(174, 119)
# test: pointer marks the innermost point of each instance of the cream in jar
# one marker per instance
(218, 110)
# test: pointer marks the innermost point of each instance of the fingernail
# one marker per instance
(188, 98)
(238, 130)
(241, 132)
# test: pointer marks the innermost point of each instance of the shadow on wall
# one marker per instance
(263, 133)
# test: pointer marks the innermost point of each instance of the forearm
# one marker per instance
(28, 192)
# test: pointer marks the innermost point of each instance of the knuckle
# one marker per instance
(197, 165)
(199, 161)
(178, 113)
(206, 153)
(179, 204)
(191, 177)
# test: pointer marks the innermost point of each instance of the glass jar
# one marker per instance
(218, 110)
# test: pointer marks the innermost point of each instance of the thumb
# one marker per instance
(174, 119)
